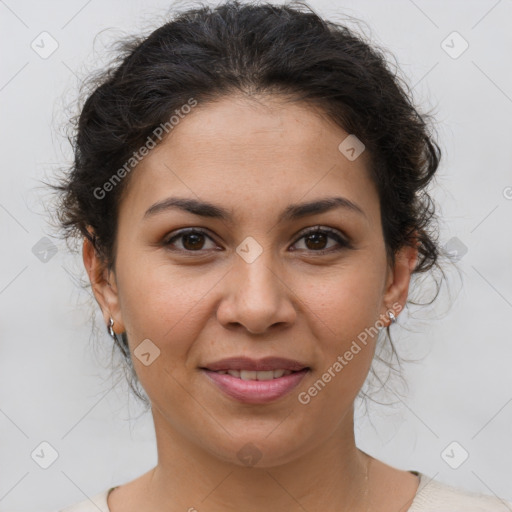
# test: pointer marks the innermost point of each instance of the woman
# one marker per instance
(250, 184)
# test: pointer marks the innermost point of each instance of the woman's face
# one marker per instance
(253, 284)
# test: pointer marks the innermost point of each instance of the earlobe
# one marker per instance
(399, 280)
(103, 284)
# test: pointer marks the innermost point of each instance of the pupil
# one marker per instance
(196, 240)
(317, 238)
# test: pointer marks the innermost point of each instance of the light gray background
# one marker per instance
(55, 387)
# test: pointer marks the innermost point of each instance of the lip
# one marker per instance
(264, 364)
(255, 391)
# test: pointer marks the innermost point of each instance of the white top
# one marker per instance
(431, 496)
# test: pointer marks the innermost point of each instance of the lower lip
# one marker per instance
(256, 391)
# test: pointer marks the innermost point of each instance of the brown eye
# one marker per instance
(316, 240)
(191, 240)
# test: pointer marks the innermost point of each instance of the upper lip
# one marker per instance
(265, 364)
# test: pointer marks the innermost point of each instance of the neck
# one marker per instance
(331, 476)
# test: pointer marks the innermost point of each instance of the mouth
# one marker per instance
(253, 381)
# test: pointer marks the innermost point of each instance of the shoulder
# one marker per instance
(97, 503)
(435, 496)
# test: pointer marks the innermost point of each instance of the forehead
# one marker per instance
(251, 153)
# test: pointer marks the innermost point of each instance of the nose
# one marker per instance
(257, 296)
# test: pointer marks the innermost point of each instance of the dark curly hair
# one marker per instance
(287, 50)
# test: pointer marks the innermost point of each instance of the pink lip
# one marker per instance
(255, 391)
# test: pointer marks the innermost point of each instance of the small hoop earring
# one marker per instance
(392, 317)
(111, 330)
(120, 344)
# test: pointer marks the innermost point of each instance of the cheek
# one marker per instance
(170, 308)
(343, 313)
(165, 304)
(346, 303)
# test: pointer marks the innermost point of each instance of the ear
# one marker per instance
(103, 283)
(398, 279)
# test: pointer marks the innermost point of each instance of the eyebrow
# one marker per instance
(291, 212)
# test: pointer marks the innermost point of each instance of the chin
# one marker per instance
(262, 450)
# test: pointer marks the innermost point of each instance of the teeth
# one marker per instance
(253, 375)
(249, 375)
(268, 375)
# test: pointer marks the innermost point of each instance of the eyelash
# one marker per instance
(345, 244)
